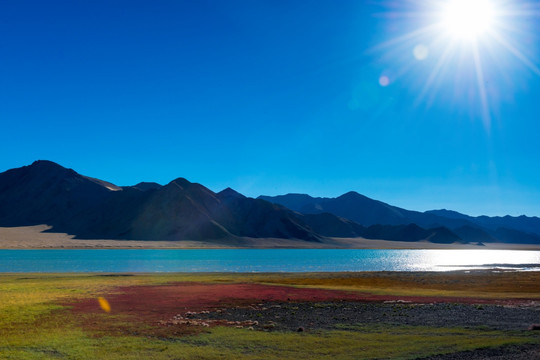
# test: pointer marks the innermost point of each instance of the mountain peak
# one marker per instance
(451, 214)
(47, 165)
(146, 186)
(351, 195)
(230, 193)
(181, 182)
(50, 169)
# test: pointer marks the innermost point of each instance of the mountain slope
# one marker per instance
(521, 223)
(47, 193)
(369, 212)
(179, 210)
(363, 210)
(259, 218)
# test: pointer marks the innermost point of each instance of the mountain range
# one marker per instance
(370, 213)
(88, 208)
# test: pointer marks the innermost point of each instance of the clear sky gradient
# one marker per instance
(272, 97)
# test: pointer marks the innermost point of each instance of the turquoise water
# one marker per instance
(243, 260)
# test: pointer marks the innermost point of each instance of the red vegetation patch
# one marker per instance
(155, 303)
(171, 310)
(164, 301)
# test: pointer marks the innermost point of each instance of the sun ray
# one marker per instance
(525, 10)
(515, 52)
(440, 63)
(416, 34)
(481, 88)
(516, 30)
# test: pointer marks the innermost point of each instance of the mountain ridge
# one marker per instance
(89, 208)
(369, 212)
(47, 193)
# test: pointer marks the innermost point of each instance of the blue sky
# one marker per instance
(272, 97)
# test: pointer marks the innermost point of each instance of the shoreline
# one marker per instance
(37, 238)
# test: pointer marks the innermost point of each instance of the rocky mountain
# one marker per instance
(369, 212)
(362, 210)
(47, 193)
(145, 186)
(521, 223)
(330, 225)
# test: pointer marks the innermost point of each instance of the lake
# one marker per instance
(256, 260)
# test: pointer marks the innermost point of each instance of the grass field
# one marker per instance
(44, 316)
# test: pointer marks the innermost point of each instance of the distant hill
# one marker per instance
(412, 232)
(369, 212)
(521, 223)
(329, 225)
(363, 210)
(146, 186)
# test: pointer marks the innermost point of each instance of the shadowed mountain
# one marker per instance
(146, 186)
(184, 210)
(47, 193)
(449, 214)
(516, 237)
(229, 193)
(521, 223)
(411, 232)
(362, 210)
(508, 229)
(298, 202)
(178, 210)
(369, 212)
(258, 218)
(330, 225)
(474, 234)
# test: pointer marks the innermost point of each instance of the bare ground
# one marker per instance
(37, 237)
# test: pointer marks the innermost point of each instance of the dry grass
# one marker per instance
(482, 284)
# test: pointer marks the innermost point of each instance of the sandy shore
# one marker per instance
(36, 237)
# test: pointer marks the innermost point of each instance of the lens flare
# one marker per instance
(420, 52)
(104, 304)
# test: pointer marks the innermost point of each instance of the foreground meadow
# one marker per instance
(469, 315)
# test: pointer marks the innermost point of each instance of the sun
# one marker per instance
(467, 19)
(461, 51)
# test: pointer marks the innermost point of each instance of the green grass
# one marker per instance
(365, 342)
(34, 326)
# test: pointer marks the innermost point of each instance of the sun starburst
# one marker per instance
(464, 41)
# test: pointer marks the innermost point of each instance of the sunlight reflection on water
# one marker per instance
(474, 259)
(257, 260)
